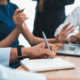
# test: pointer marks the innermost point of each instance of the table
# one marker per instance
(67, 74)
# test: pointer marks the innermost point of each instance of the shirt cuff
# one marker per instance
(5, 56)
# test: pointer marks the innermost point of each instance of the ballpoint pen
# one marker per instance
(44, 36)
(21, 10)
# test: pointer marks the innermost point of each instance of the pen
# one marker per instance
(21, 10)
(44, 36)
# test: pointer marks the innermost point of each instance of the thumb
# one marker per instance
(48, 52)
(58, 36)
(17, 11)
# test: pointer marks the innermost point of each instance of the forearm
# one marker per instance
(37, 40)
(8, 41)
(14, 55)
(32, 39)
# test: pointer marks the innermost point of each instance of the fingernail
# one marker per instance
(51, 52)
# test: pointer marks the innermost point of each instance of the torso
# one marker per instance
(6, 23)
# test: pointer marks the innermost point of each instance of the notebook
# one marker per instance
(38, 65)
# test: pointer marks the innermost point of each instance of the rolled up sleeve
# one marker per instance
(5, 56)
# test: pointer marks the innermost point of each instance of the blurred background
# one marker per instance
(30, 6)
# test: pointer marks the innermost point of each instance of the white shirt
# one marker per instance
(11, 74)
(74, 18)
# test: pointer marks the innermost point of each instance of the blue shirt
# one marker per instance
(6, 23)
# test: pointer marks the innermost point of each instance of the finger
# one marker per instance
(20, 16)
(64, 28)
(22, 20)
(51, 45)
(53, 48)
(69, 28)
(48, 56)
(43, 44)
(45, 56)
(55, 52)
(48, 52)
(70, 32)
(17, 11)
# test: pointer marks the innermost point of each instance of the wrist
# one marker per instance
(25, 52)
(17, 30)
(57, 41)
(73, 39)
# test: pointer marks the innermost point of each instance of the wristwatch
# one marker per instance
(19, 52)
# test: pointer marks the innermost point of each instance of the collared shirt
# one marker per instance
(74, 18)
(40, 5)
(11, 74)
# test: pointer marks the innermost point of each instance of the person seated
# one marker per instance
(74, 18)
(10, 55)
(8, 25)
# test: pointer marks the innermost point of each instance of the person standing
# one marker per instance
(49, 15)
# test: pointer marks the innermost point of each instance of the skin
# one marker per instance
(38, 51)
(19, 19)
(33, 52)
(8, 41)
(75, 38)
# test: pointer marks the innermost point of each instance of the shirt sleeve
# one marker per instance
(10, 74)
(5, 56)
(74, 19)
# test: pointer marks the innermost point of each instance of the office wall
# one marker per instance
(30, 12)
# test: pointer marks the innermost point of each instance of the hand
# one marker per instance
(77, 36)
(64, 33)
(19, 19)
(42, 50)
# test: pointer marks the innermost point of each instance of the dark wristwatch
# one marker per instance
(19, 52)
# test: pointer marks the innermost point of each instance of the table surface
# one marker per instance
(67, 74)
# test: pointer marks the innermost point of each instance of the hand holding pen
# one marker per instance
(19, 19)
